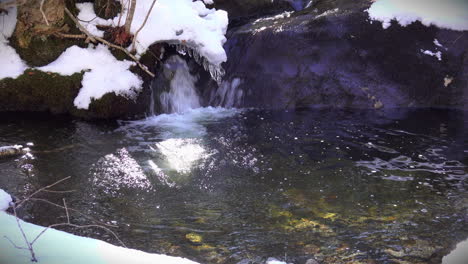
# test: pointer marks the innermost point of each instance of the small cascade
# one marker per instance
(228, 95)
(182, 95)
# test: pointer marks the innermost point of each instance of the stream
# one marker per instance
(244, 185)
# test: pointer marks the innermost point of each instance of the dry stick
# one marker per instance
(142, 25)
(73, 225)
(66, 210)
(41, 189)
(94, 38)
(43, 14)
(13, 243)
(71, 209)
(30, 248)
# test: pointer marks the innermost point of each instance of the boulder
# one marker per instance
(332, 55)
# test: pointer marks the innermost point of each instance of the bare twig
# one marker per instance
(80, 27)
(142, 25)
(20, 203)
(66, 211)
(122, 4)
(78, 226)
(30, 248)
(42, 12)
(73, 210)
(68, 223)
(52, 191)
(12, 243)
(95, 38)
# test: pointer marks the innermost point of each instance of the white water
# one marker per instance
(182, 95)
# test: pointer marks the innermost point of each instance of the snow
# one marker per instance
(458, 255)
(5, 200)
(8, 22)
(274, 261)
(105, 74)
(11, 64)
(58, 247)
(178, 21)
(449, 14)
(87, 14)
(437, 54)
(437, 43)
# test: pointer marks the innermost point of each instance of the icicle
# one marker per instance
(216, 72)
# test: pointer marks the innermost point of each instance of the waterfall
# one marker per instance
(182, 95)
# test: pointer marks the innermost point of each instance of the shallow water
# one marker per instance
(225, 186)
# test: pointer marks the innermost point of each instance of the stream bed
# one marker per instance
(243, 185)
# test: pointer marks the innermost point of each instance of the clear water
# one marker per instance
(230, 186)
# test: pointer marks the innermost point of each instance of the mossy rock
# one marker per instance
(110, 106)
(43, 50)
(39, 91)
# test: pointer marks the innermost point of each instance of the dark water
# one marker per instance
(219, 186)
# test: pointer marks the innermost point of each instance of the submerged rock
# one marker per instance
(332, 55)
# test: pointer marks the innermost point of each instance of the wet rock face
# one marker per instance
(331, 55)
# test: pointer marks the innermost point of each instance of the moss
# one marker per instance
(43, 50)
(194, 238)
(110, 106)
(39, 91)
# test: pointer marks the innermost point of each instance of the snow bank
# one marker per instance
(5, 200)
(450, 14)
(11, 64)
(57, 247)
(178, 21)
(106, 74)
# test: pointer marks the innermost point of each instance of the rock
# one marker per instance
(312, 261)
(378, 105)
(34, 40)
(324, 55)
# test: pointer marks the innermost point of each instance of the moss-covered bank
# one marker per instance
(37, 91)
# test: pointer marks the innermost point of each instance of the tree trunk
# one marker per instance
(131, 12)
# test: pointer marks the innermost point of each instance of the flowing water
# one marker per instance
(223, 185)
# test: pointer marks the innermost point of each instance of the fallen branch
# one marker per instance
(96, 38)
